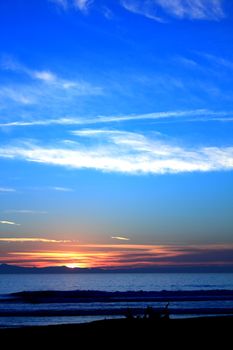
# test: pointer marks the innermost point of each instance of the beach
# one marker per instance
(117, 332)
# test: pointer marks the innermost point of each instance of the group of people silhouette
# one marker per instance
(150, 313)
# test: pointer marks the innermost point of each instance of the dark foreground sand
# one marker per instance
(198, 332)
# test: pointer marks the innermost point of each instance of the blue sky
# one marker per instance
(116, 121)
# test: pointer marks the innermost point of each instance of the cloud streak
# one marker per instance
(81, 5)
(40, 84)
(60, 3)
(61, 189)
(186, 115)
(5, 222)
(9, 64)
(160, 10)
(120, 238)
(7, 190)
(25, 240)
(25, 211)
(124, 152)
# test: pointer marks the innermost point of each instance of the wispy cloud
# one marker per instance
(61, 189)
(144, 8)
(81, 5)
(7, 189)
(120, 238)
(44, 76)
(25, 211)
(8, 63)
(186, 115)
(186, 62)
(13, 94)
(42, 83)
(61, 3)
(5, 222)
(125, 152)
(193, 9)
(159, 10)
(24, 239)
(216, 60)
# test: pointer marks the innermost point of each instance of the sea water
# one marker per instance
(23, 312)
(115, 281)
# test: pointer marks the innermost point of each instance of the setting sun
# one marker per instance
(72, 265)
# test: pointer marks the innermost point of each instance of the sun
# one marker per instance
(72, 265)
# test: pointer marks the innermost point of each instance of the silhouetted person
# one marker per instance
(166, 314)
(151, 314)
(129, 314)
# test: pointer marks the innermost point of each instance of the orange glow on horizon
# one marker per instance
(73, 265)
(110, 256)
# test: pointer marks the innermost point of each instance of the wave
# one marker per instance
(90, 296)
(112, 312)
(82, 303)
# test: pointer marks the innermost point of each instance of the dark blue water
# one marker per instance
(187, 294)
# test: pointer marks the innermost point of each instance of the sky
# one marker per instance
(116, 125)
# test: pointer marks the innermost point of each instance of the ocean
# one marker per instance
(73, 298)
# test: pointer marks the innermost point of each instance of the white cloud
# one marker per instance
(186, 62)
(5, 222)
(121, 238)
(145, 8)
(188, 115)
(56, 93)
(60, 3)
(216, 60)
(44, 76)
(17, 95)
(25, 211)
(125, 152)
(60, 83)
(158, 10)
(7, 189)
(40, 240)
(98, 132)
(193, 9)
(82, 5)
(180, 9)
(61, 189)
(33, 91)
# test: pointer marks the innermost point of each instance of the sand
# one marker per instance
(185, 333)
